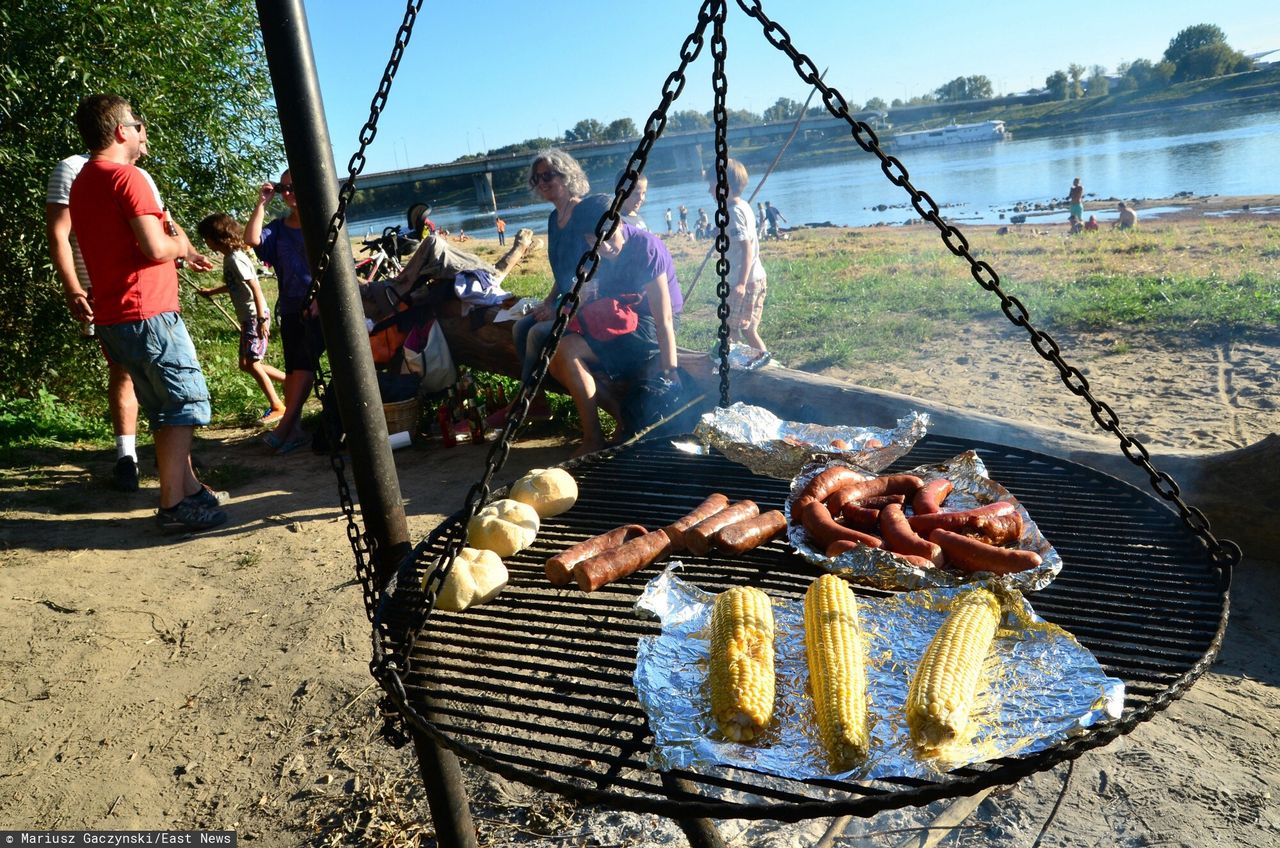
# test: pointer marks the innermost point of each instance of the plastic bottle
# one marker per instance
(445, 419)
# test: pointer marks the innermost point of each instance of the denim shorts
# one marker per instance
(161, 359)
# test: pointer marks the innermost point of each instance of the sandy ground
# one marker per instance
(221, 681)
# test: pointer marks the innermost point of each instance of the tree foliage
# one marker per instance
(588, 129)
(976, 87)
(1075, 87)
(621, 130)
(785, 109)
(1098, 84)
(1059, 85)
(195, 70)
(687, 120)
(1201, 51)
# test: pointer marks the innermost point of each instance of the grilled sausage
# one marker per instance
(698, 537)
(560, 567)
(994, 529)
(752, 533)
(926, 524)
(881, 501)
(861, 517)
(826, 482)
(901, 539)
(931, 495)
(612, 565)
(975, 555)
(706, 509)
(823, 528)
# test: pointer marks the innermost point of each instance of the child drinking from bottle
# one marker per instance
(221, 232)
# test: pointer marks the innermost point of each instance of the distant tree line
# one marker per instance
(1197, 52)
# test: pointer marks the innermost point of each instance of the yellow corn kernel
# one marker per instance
(946, 683)
(837, 672)
(741, 668)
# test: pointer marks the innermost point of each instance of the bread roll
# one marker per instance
(489, 574)
(550, 491)
(505, 527)
(477, 576)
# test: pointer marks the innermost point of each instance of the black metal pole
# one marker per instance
(287, 41)
(306, 143)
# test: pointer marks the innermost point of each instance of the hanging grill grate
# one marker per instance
(537, 684)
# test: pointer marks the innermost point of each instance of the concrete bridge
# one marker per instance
(680, 152)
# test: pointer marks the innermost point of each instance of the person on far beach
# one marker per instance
(631, 206)
(771, 218)
(239, 280)
(1127, 218)
(1075, 197)
(684, 220)
(1092, 223)
(748, 285)
(668, 217)
(501, 226)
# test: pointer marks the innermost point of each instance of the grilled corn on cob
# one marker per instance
(837, 675)
(946, 683)
(741, 671)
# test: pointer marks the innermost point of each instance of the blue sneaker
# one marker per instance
(189, 516)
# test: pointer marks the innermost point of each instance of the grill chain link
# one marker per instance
(720, 118)
(1225, 553)
(437, 566)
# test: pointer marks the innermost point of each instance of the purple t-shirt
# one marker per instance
(284, 250)
(644, 256)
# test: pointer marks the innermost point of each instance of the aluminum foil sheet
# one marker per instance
(742, 357)
(758, 439)
(885, 570)
(1040, 686)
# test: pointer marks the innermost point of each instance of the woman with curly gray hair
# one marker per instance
(556, 177)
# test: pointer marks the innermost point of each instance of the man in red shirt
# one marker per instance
(130, 246)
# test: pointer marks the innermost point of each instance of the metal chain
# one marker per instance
(363, 546)
(436, 567)
(720, 118)
(1225, 553)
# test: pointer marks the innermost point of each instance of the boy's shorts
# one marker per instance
(161, 359)
(253, 340)
(747, 309)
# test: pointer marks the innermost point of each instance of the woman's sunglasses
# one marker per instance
(544, 177)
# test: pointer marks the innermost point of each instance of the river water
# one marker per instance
(978, 183)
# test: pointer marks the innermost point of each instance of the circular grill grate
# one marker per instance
(539, 681)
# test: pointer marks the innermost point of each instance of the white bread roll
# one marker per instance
(505, 527)
(550, 491)
(459, 588)
(488, 572)
(477, 576)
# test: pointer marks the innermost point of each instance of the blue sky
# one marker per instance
(480, 75)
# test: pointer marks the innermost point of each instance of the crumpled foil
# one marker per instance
(885, 570)
(742, 357)
(758, 439)
(1040, 686)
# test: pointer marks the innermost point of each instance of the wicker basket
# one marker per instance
(402, 416)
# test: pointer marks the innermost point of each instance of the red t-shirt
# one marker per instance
(127, 286)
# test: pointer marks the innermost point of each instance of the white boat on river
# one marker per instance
(986, 131)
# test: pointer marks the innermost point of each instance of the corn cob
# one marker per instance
(741, 668)
(837, 675)
(946, 682)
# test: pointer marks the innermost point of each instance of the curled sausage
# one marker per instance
(615, 564)
(823, 528)
(560, 567)
(973, 555)
(881, 501)
(926, 524)
(901, 539)
(826, 482)
(752, 533)
(994, 529)
(706, 509)
(931, 495)
(698, 537)
(860, 517)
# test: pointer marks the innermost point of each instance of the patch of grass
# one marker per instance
(47, 421)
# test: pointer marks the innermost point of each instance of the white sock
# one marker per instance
(127, 446)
